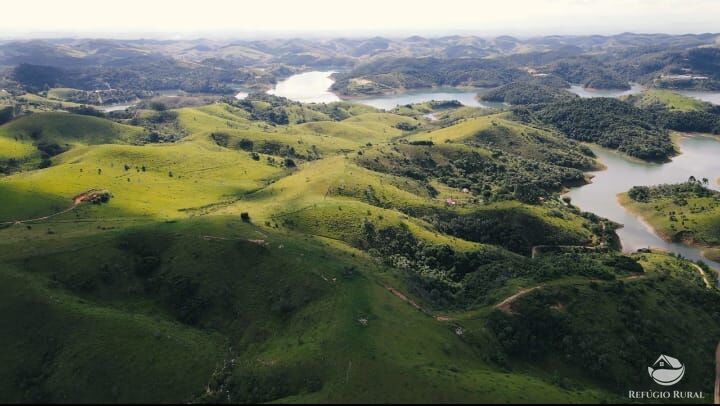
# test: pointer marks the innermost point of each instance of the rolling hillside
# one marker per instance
(278, 252)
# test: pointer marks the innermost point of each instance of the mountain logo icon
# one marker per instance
(667, 371)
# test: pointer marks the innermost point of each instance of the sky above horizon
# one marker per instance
(165, 18)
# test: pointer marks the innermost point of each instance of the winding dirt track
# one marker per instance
(76, 201)
(704, 276)
(506, 305)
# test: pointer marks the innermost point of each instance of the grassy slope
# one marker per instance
(38, 103)
(327, 137)
(57, 347)
(153, 192)
(670, 99)
(62, 128)
(314, 335)
(599, 318)
(696, 222)
(12, 149)
(497, 131)
(60, 93)
(170, 255)
(700, 217)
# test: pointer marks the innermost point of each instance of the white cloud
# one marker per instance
(523, 17)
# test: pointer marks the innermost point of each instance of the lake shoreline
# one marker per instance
(696, 156)
(625, 201)
(403, 91)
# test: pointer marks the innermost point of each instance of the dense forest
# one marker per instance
(608, 122)
(162, 75)
(410, 73)
(521, 93)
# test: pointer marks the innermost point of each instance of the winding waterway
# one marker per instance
(308, 87)
(468, 97)
(710, 97)
(585, 92)
(699, 158)
(313, 87)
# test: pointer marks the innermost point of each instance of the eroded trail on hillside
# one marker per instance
(703, 275)
(505, 305)
(88, 196)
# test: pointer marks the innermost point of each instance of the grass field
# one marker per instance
(312, 333)
(63, 128)
(686, 217)
(670, 100)
(217, 271)
(12, 149)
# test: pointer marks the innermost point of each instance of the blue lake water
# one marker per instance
(698, 158)
(584, 92)
(313, 87)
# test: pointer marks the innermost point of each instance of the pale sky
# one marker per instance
(258, 18)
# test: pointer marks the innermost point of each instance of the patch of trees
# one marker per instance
(405, 126)
(501, 177)
(691, 189)
(580, 335)
(7, 113)
(276, 114)
(422, 142)
(221, 139)
(412, 73)
(250, 382)
(533, 145)
(705, 60)
(104, 96)
(9, 166)
(610, 123)
(161, 126)
(153, 74)
(86, 111)
(36, 78)
(49, 149)
(514, 229)
(453, 279)
(591, 72)
(690, 121)
(521, 93)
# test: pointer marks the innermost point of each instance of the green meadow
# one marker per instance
(687, 213)
(279, 252)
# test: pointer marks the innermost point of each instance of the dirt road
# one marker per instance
(77, 200)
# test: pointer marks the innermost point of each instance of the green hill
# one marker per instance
(356, 257)
(611, 123)
(62, 129)
(686, 212)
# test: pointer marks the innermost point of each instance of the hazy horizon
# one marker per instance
(280, 35)
(163, 19)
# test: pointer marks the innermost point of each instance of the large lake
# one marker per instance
(584, 92)
(468, 97)
(710, 97)
(108, 108)
(308, 87)
(313, 87)
(699, 158)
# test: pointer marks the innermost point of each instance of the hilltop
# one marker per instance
(265, 250)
